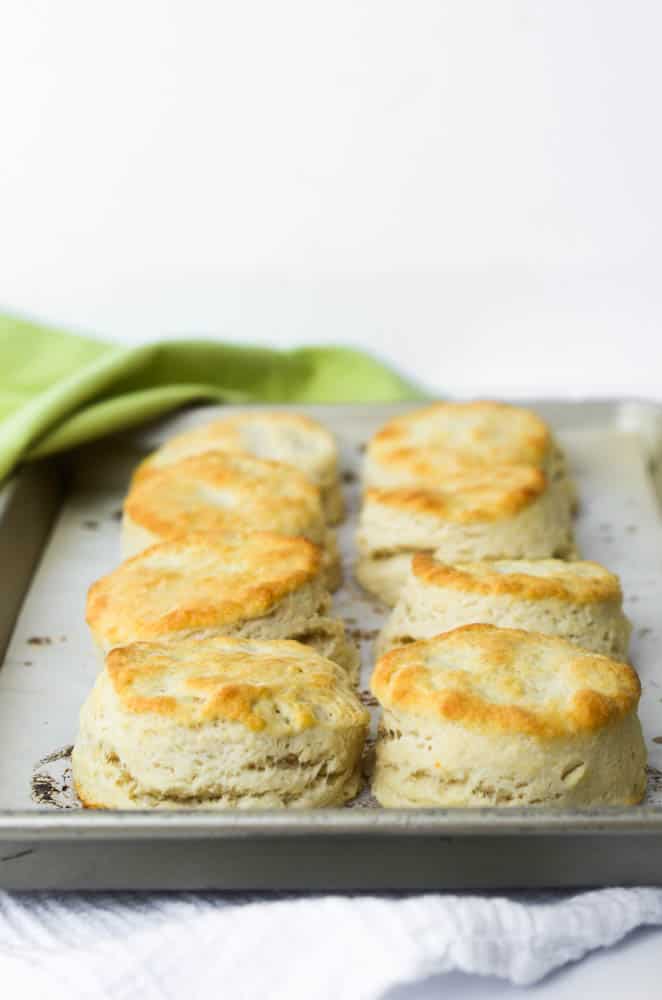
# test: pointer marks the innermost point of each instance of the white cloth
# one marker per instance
(117, 946)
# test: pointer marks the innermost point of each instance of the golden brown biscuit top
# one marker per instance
(445, 438)
(220, 492)
(284, 437)
(480, 495)
(276, 686)
(199, 581)
(506, 680)
(581, 582)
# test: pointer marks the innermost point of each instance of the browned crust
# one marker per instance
(476, 497)
(479, 578)
(528, 440)
(140, 599)
(197, 682)
(86, 803)
(406, 679)
(174, 500)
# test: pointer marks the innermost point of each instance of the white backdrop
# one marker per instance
(471, 188)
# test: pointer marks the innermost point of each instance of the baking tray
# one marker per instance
(59, 530)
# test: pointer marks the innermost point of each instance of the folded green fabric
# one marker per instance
(58, 390)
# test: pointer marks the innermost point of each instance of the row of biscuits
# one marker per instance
(495, 675)
(226, 681)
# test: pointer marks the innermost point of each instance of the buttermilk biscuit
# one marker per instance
(282, 437)
(506, 512)
(578, 601)
(483, 716)
(221, 492)
(425, 447)
(253, 584)
(219, 723)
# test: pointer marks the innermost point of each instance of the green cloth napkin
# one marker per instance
(58, 389)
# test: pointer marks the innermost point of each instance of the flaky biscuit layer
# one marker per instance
(219, 723)
(486, 716)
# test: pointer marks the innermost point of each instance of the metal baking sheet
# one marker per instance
(59, 530)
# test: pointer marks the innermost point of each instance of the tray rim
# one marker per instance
(439, 823)
(45, 825)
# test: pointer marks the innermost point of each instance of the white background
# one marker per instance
(472, 189)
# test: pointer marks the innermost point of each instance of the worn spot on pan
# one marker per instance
(654, 779)
(52, 782)
(365, 801)
(363, 633)
(61, 754)
(116, 515)
(40, 640)
(19, 854)
(91, 525)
